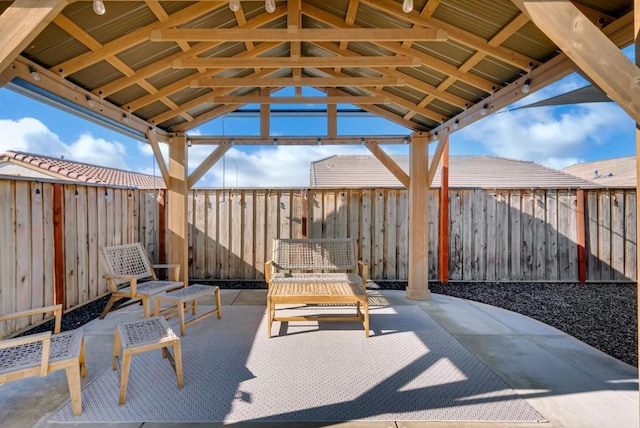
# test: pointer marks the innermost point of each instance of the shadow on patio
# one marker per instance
(442, 360)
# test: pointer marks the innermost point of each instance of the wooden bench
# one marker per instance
(316, 271)
(128, 263)
(186, 298)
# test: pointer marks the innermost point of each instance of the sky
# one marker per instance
(552, 136)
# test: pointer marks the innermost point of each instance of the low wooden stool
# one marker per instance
(179, 298)
(141, 336)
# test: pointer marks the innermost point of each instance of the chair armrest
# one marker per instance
(56, 309)
(133, 282)
(175, 266)
(363, 267)
(267, 271)
(45, 338)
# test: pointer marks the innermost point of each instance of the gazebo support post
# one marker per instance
(178, 250)
(418, 286)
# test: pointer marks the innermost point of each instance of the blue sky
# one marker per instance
(551, 136)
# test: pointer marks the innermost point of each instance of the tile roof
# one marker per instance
(618, 172)
(487, 172)
(82, 172)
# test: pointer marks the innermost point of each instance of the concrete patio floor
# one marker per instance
(570, 383)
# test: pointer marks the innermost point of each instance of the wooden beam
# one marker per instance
(183, 83)
(443, 218)
(21, 22)
(332, 116)
(620, 33)
(296, 141)
(303, 62)
(165, 64)
(207, 164)
(443, 144)
(338, 99)
(157, 153)
(599, 59)
(318, 82)
(177, 200)
(134, 38)
(418, 266)
(636, 39)
(456, 34)
(265, 115)
(388, 162)
(300, 35)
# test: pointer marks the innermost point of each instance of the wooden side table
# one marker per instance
(141, 336)
(181, 297)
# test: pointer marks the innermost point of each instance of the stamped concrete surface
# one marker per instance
(570, 383)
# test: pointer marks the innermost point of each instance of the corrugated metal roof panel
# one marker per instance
(464, 172)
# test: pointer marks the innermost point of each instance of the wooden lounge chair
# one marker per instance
(42, 353)
(127, 264)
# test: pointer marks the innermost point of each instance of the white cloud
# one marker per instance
(277, 166)
(31, 135)
(550, 136)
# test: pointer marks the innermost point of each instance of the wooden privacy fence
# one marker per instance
(50, 233)
(494, 235)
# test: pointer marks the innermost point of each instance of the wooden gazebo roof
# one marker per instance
(174, 65)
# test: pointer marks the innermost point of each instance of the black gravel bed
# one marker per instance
(602, 315)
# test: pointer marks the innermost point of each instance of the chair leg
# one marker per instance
(113, 299)
(116, 349)
(181, 309)
(73, 380)
(124, 377)
(82, 361)
(218, 305)
(177, 356)
(145, 306)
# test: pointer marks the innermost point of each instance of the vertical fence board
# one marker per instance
(296, 214)
(23, 250)
(468, 261)
(551, 258)
(8, 251)
(604, 235)
(262, 245)
(315, 214)
(631, 236)
(617, 234)
(342, 215)
(37, 248)
(390, 238)
(528, 244)
(433, 230)
(355, 200)
(236, 267)
(47, 236)
(211, 241)
(82, 261)
(224, 219)
(329, 221)
(248, 235)
(403, 235)
(455, 235)
(379, 233)
(365, 231)
(593, 265)
(101, 220)
(70, 249)
(540, 234)
(502, 236)
(92, 242)
(479, 228)
(493, 240)
(284, 214)
(199, 235)
(515, 226)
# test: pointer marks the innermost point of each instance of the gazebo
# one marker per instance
(155, 70)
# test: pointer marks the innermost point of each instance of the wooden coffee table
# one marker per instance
(318, 293)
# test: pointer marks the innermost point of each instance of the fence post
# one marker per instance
(581, 236)
(58, 245)
(443, 239)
